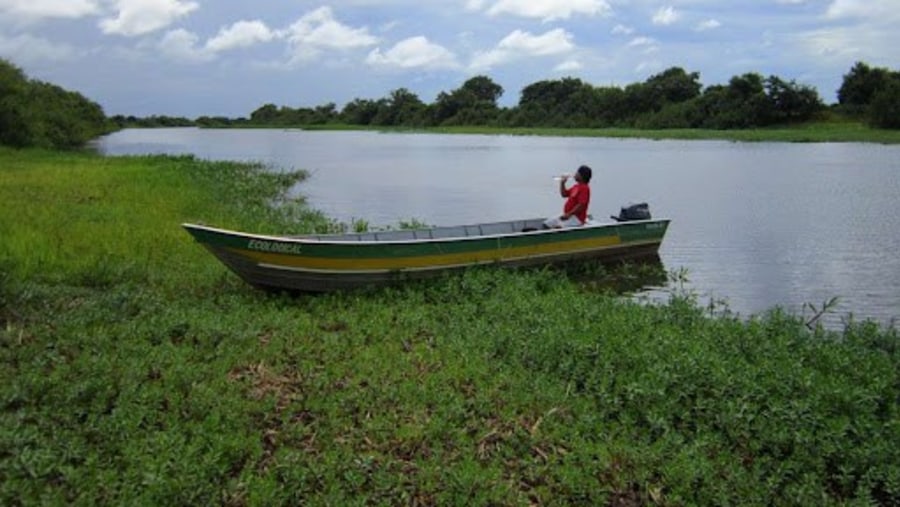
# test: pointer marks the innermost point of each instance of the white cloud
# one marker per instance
(181, 45)
(622, 30)
(553, 42)
(846, 8)
(318, 30)
(389, 26)
(520, 44)
(568, 66)
(36, 9)
(846, 44)
(547, 10)
(863, 9)
(666, 16)
(488, 59)
(240, 34)
(414, 52)
(26, 48)
(709, 24)
(646, 44)
(642, 42)
(866, 32)
(137, 17)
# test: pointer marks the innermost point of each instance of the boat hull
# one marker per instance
(340, 262)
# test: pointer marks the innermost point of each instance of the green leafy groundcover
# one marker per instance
(122, 385)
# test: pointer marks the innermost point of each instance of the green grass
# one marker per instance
(832, 130)
(826, 131)
(135, 370)
(70, 216)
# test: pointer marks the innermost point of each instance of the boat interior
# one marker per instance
(445, 232)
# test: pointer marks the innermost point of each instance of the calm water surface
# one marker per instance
(754, 224)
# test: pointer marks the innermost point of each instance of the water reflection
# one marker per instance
(625, 277)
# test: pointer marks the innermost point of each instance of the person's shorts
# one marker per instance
(558, 223)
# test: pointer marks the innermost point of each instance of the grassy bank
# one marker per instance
(814, 132)
(135, 370)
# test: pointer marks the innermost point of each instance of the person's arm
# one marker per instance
(562, 187)
(573, 212)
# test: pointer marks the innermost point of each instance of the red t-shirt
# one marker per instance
(578, 194)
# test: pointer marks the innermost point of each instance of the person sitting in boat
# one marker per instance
(578, 197)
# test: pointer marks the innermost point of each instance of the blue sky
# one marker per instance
(228, 57)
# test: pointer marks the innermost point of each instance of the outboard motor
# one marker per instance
(633, 211)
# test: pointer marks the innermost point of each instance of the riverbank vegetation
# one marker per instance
(672, 105)
(134, 369)
(672, 99)
(829, 129)
(669, 105)
(35, 113)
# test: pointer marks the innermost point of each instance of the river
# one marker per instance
(754, 225)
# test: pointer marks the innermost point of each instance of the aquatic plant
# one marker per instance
(135, 370)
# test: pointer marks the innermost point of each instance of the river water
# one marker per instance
(754, 225)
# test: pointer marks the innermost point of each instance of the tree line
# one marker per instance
(673, 98)
(35, 113)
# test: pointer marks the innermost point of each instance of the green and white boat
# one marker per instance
(327, 262)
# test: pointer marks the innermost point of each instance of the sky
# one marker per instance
(196, 58)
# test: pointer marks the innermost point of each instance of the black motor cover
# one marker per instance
(633, 211)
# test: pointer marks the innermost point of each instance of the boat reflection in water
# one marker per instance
(633, 276)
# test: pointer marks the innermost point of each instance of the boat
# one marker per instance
(329, 262)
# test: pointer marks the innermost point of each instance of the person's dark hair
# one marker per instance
(585, 173)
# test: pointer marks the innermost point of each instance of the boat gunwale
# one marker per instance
(304, 240)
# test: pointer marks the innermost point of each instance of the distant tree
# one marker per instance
(359, 112)
(474, 103)
(870, 92)
(294, 116)
(741, 104)
(562, 102)
(670, 86)
(747, 101)
(550, 93)
(671, 116)
(402, 108)
(35, 113)
(674, 85)
(861, 84)
(265, 114)
(791, 102)
(14, 129)
(85, 117)
(746, 86)
(168, 121)
(325, 114)
(159, 121)
(448, 105)
(218, 121)
(884, 111)
(610, 107)
(484, 89)
(12, 79)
